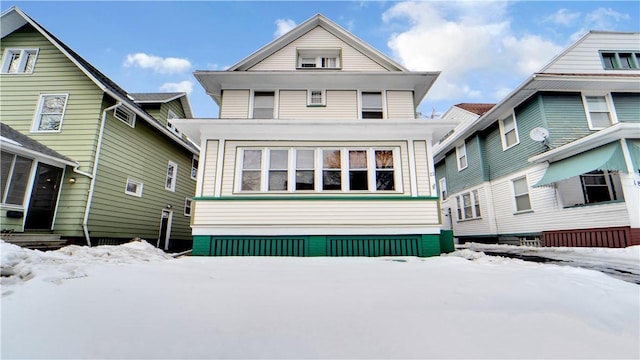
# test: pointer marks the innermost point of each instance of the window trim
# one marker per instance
(442, 188)
(318, 169)
(383, 100)
(503, 133)
(323, 98)
(22, 67)
(474, 204)
(174, 177)
(612, 112)
(194, 158)
(461, 151)
(188, 201)
(515, 195)
(275, 101)
(617, 63)
(38, 115)
(140, 188)
(318, 55)
(131, 116)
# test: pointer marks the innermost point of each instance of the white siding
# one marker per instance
(400, 105)
(480, 226)
(422, 167)
(235, 104)
(585, 57)
(318, 38)
(339, 105)
(325, 213)
(209, 168)
(230, 156)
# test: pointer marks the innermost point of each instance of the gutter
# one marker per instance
(85, 219)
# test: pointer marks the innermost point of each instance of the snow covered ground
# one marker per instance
(134, 301)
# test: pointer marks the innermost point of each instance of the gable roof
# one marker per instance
(305, 27)
(13, 139)
(163, 98)
(14, 18)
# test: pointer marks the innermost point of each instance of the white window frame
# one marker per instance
(275, 101)
(318, 169)
(461, 153)
(188, 203)
(613, 118)
(21, 68)
(442, 186)
(37, 119)
(171, 115)
(474, 205)
(315, 57)
(504, 131)
(20, 186)
(323, 97)
(139, 184)
(194, 169)
(383, 101)
(516, 195)
(125, 115)
(174, 177)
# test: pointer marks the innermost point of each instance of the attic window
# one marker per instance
(19, 61)
(170, 116)
(125, 115)
(620, 60)
(319, 59)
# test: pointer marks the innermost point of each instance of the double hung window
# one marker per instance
(172, 175)
(468, 205)
(598, 112)
(316, 98)
(14, 177)
(521, 194)
(372, 105)
(598, 186)
(50, 113)
(509, 132)
(263, 104)
(461, 156)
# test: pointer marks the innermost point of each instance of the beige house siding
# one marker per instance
(400, 105)
(235, 104)
(339, 105)
(422, 168)
(318, 38)
(210, 166)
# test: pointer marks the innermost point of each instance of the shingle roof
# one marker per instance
(26, 142)
(155, 97)
(476, 108)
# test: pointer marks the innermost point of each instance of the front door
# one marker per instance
(165, 229)
(44, 197)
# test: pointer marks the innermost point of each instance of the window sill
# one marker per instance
(593, 204)
(523, 212)
(11, 206)
(316, 105)
(471, 219)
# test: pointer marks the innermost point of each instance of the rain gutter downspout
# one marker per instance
(85, 219)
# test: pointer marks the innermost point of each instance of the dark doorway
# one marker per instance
(44, 197)
(165, 229)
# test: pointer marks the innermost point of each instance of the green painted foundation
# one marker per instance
(324, 245)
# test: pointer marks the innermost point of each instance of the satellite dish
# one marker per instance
(539, 134)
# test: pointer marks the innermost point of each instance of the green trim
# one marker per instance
(316, 105)
(315, 198)
(446, 241)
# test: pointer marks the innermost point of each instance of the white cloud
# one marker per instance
(183, 86)
(604, 19)
(283, 26)
(563, 17)
(472, 43)
(169, 65)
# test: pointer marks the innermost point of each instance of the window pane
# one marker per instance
(5, 168)
(357, 159)
(508, 124)
(384, 180)
(305, 159)
(53, 104)
(520, 186)
(331, 180)
(609, 60)
(331, 159)
(358, 180)
(277, 180)
(14, 62)
(523, 203)
(371, 101)
(252, 159)
(19, 179)
(372, 114)
(305, 180)
(476, 202)
(463, 161)
(278, 159)
(250, 180)
(625, 61)
(262, 113)
(50, 122)
(329, 62)
(384, 159)
(600, 119)
(597, 104)
(132, 187)
(510, 138)
(31, 61)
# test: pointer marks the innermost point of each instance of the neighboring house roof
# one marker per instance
(305, 27)
(13, 139)
(476, 108)
(163, 98)
(14, 18)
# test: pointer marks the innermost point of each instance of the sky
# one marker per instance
(135, 302)
(484, 49)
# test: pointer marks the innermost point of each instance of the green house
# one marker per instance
(103, 165)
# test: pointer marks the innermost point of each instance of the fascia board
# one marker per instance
(21, 150)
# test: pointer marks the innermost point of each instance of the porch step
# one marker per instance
(35, 241)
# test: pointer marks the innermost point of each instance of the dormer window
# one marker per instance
(19, 61)
(620, 60)
(318, 59)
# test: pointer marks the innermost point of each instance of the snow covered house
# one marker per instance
(317, 151)
(558, 159)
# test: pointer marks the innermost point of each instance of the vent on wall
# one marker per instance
(125, 115)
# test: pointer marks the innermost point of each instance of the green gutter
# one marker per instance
(316, 198)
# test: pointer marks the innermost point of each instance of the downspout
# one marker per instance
(85, 219)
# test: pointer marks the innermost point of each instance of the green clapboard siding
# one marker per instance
(627, 107)
(317, 245)
(470, 176)
(141, 153)
(566, 118)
